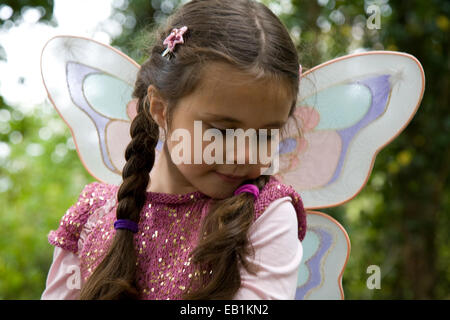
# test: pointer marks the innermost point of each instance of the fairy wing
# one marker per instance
(90, 85)
(348, 109)
(326, 249)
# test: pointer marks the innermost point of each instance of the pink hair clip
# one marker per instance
(174, 38)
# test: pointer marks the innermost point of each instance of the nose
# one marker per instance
(242, 149)
(250, 151)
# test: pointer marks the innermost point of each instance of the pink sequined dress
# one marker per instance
(168, 232)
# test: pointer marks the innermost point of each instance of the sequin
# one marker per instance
(170, 225)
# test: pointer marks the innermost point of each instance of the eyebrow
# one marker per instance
(219, 117)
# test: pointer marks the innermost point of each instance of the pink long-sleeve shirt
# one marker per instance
(274, 236)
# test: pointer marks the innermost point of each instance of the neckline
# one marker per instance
(170, 198)
(161, 197)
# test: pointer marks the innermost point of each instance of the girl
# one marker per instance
(193, 231)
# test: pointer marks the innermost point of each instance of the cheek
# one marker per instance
(183, 120)
(188, 138)
(189, 169)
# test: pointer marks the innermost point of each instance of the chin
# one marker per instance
(214, 188)
(219, 195)
(217, 190)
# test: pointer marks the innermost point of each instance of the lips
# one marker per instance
(229, 178)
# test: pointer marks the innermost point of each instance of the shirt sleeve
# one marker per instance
(278, 254)
(66, 236)
(64, 278)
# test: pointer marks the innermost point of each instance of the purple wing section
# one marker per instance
(159, 145)
(313, 264)
(380, 88)
(287, 145)
(76, 73)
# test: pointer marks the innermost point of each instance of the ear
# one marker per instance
(158, 106)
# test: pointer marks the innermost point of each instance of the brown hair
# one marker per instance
(248, 36)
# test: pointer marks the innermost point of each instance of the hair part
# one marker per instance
(248, 36)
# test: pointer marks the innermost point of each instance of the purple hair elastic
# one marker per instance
(248, 188)
(126, 224)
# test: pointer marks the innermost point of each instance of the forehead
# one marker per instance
(226, 91)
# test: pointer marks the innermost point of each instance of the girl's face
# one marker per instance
(225, 99)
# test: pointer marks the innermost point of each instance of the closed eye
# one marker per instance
(260, 135)
(223, 131)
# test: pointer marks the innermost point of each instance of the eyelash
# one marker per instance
(223, 131)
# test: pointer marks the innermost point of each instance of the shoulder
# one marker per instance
(278, 253)
(93, 196)
(279, 217)
(273, 198)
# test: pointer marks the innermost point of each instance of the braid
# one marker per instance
(140, 158)
(114, 278)
(225, 245)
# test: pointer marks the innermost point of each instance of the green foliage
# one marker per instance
(135, 41)
(19, 6)
(41, 189)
